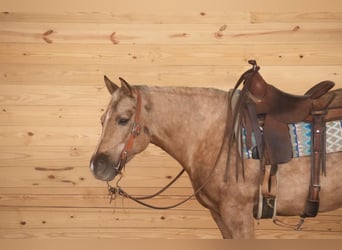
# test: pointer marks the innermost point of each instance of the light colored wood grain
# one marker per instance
(52, 96)
(74, 219)
(97, 96)
(66, 174)
(49, 136)
(235, 54)
(182, 17)
(175, 6)
(116, 34)
(189, 17)
(151, 233)
(100, 201)
(296, 17)
(122, 218)
(47, 96)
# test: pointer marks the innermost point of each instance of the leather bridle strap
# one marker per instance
(114, 191)
(136, 128)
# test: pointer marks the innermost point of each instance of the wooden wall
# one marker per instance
(52, 95)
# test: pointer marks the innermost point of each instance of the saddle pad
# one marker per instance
(300, 134)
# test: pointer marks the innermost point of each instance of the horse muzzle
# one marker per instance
(104, 168)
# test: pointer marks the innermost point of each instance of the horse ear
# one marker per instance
(127, 89)
(112, 87)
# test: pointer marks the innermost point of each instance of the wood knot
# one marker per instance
(46, 34)
(179, 35)
(30, 133)
(223, 27)
(114, 39)
(296, 28)
(219, 34)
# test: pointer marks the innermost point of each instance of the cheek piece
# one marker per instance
(136, 129)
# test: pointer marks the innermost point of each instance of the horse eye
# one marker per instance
(123, 121)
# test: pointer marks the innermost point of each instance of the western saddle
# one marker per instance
(264, 112)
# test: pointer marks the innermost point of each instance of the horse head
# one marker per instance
(124, 131)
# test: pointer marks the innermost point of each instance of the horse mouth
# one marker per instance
(108, 176)
(105, 172)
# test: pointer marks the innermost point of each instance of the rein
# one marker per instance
(114, 191)
(136, 128)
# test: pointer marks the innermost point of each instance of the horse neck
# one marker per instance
(187, 123)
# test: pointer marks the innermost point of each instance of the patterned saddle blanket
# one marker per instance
(300, 134)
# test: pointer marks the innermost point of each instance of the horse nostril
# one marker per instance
(100, 162)
(101, 167)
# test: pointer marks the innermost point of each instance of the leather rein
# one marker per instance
(135, 131)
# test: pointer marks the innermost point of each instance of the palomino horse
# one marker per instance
(189, 124)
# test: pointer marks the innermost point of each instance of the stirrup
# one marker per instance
(297, 227)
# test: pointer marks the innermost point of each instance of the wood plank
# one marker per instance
(92, 197)
(39, 153)
(140, 218)
(69, 172)
(65, 116)
(218, 76)
(110, 233)
(81, 177)
(152, 233)
(153, 6)
(100, 189)
(176, 55)
(190, 17)
(222, 77)
(39, 156)
(224, 33)
(182, 17)
(290, 234)
(103, 218)
(96, 201)
(86, 197)
(49, 136)
(97, 95)
(296, 17)
(52, 95)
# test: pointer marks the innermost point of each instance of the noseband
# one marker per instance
(135, 131)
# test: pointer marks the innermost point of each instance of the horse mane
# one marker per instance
(185, 91)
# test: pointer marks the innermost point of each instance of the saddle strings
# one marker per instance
(242, 107)
(235, 127)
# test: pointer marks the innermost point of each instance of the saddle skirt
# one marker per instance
(300, 134)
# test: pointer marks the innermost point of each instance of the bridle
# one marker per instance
(135, 131)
